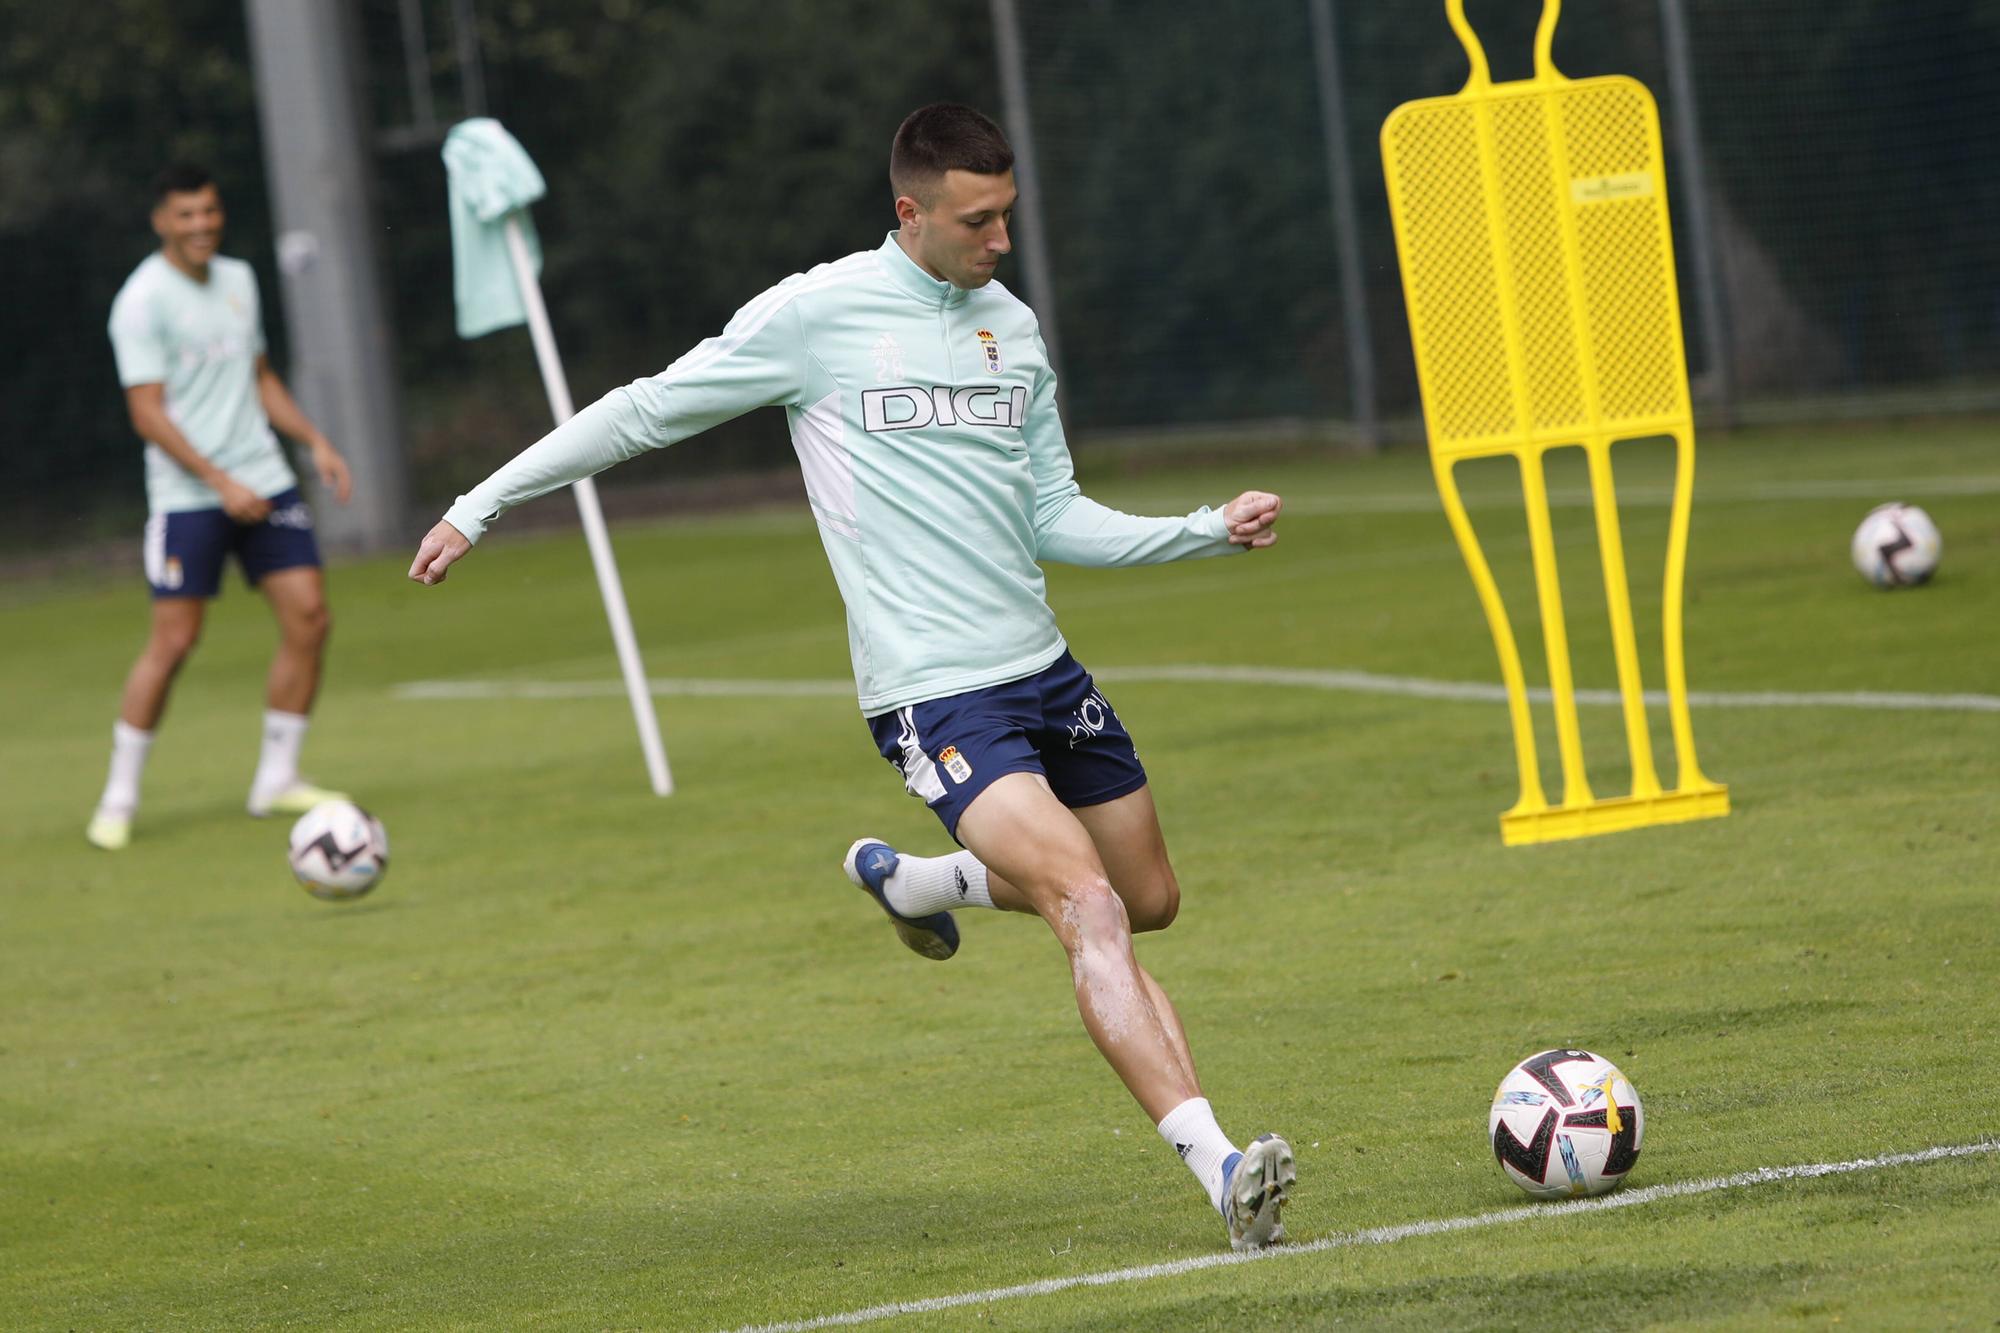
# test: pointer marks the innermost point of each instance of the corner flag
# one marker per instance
(495, 259)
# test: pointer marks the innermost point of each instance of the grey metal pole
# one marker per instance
(1346, 223)
(341, 349)
(1709, 296)
(1014, 111)
(471, 74)
(416, 68)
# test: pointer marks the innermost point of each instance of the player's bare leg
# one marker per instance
(1126, 833)
(1024, 852)
(175, 629)
(1043, 858)
(1096, 875)
(1133, 851)
(298, 601)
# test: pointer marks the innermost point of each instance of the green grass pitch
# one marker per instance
(589, 1059)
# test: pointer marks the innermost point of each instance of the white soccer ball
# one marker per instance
(339, 850)
(1896, 546)
(1565, 1123)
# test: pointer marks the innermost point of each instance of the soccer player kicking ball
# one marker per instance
(923, 411)
(189, 340)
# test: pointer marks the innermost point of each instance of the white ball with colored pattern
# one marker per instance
(1566, 1123)
(1897, 546)
(338, 850)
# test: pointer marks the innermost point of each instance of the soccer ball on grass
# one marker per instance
(339, 850)
(1896, 546)
(1566, 1122)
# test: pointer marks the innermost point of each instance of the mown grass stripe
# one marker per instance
(1767, 1175)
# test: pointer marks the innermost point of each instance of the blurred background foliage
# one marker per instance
(698, 150)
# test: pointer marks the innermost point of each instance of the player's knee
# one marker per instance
(171, 644)
(310, 626)
(1092, 913)
(1156, 908)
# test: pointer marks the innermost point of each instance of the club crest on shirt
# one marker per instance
(991, 346)
(954, 764)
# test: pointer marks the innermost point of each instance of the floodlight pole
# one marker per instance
(1015, 112)
(1346, 223)
(416, 67)
(1709, 297)
(341, 358)
(471, 71)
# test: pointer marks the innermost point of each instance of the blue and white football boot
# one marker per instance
(869, 863)
(1256, 1183)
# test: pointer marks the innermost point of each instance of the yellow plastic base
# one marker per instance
(1612, 814)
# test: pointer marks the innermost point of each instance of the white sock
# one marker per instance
(926, 884)
(129, 747)
(278, 762)
(1191, 1129)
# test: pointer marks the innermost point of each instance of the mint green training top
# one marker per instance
(200, 341)
(924, 418)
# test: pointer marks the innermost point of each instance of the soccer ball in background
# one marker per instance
(1566, 1123)
(339, 850)
(1896, 546)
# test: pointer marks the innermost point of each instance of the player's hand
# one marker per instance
(441, 549)
(332, 469)
(240, 502)
(1252, 517)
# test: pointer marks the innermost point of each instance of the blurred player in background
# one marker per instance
(923, 410)
(189, 340)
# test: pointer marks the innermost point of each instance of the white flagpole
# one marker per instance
(593, 517)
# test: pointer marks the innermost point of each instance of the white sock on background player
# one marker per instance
(1191, 1129)
(926, 884)
(129, 748)
(278, 762)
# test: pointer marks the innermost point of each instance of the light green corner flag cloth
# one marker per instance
(489, 175)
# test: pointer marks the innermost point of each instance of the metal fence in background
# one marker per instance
(1206, 234)
(1221, 251)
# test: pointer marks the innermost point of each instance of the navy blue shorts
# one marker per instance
(185, 550)
(1055, 722)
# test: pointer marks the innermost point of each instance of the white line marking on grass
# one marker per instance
(1349, 682)
(1766, 1175)
(1367, 682)
(602, 689)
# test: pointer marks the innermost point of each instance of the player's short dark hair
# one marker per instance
(944, 137)
(181, 178)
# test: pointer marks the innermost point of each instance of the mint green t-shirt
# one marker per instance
(201, 340)
(924, 419)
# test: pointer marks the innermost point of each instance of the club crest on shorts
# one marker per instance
(295, 516)
(991, 346)
(954, 764)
